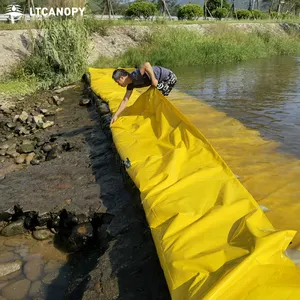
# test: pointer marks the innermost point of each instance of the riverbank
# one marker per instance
(75, 169)
(172, 45)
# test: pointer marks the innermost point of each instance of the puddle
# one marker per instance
(28, 267)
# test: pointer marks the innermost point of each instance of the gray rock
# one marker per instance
(39, 120)
(15, 119)
(10, 267)
(4, 146)
(57, 100)
(33, 269)
(27, 146)
(23, 116)
(14, 228)
(35, 288)
(42, 234)
(50, 277)
(21, 130)
(47, 148)
(9, 136)
(52, 265)
(54, 153)
(11, 125)
(7, 257)
(13, 275)
(12, 153)
(13, 243)
(2, 152)
(35, 162)
(2, 177)
(17, 290)
(84, 101)
(47, 124)
(2, 159)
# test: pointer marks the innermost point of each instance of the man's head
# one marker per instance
(121, 77)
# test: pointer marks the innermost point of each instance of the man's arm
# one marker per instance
(146, 67)
(122, 106)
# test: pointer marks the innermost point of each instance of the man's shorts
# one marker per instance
(166, 86)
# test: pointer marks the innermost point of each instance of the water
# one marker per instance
(263, 94)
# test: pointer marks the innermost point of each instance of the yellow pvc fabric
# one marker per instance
(212, 238)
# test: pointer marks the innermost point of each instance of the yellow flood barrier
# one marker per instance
(212, 238)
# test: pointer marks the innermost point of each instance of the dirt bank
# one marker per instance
(115, 40)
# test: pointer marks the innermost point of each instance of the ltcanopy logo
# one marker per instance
(56, 12)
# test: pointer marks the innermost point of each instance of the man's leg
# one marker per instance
(166, 86)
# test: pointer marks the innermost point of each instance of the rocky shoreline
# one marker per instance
(79, 200)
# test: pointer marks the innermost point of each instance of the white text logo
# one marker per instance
(58, 11)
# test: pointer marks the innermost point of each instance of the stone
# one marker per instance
(12, 275)
(54, 153)
(84, 101)
(13, 243)
(11, 125)
(23, 116)
(35, 162)
(39, 120)
(69, 201)
(42, 234)
(32, 256)
(47, 148)
(21, 130)
(29, 158)
(20, 159)
(4, 146)
(12, 153)
(10, 267)
(47, 124)
(2, 152)
(57, 100)
(33, 269)
(17, 290)
(15, 119)
(58, 91)
(2, 177)
(27, 146)
(7, 257)
(52, 266)
(14, 228)
(9, 136)
(35, 288)
(50, 277)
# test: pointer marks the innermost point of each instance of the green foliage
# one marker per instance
(180, 47)
(141, 9)
(243, 14)
(220, 13)
(214, 4)
(256, 14)
(190, 12)
(59, 54)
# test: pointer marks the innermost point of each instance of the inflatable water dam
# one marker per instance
(212, 238)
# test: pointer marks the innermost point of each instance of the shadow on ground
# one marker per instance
(121, 262)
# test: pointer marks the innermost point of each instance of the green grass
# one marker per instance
(18, 87)
(60, 57)
(181, 47)
(100, 26)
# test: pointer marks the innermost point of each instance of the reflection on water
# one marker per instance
(263, 94)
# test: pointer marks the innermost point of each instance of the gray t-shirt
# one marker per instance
(139, 80)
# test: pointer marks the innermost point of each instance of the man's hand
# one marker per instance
(154, 82)
(113, 119)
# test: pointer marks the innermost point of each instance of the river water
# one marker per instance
(263, 94)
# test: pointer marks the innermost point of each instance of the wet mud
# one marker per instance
(80, 197)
